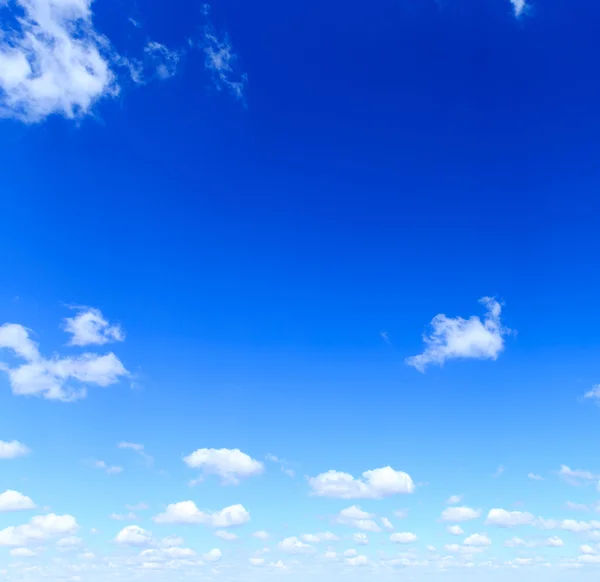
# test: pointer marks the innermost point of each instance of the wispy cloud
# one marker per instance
(452, 338)
(220, 60)
(164, 59)
(519, 7)
(108, 469)
(139, 449)
(535, 477)
(499, 472)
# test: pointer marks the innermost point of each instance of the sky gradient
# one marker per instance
(299, 292)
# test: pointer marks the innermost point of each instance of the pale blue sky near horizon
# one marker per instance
(318, 269)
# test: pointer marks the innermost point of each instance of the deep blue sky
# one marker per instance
(388, 162)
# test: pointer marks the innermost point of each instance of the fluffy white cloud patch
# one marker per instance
(504, 518)
(361, 539)
(455, 530)
(14, 501)
(260, 535)
(21, 553)
(53, 378)
(39, 529)
(108, 469)
(355, 517)
(472, 338)
(13, 449)
(326, 536)
(293, 545)
(89, 327)
(226, 535)
(52, 60)
(403, 538)
(374, 484)
(460, 514)
(134, 535)
(577, 476)
(594, 393)
(477, 540)
(187, 512)
(229, 464)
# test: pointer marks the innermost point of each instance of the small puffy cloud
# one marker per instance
(355, 517)
(454, 499)
(226, 535)
(38, 529)
(295, 546)
(374, 484)
(362, 539)
(477, 540)
(460, 514)
(261, 535)
(535, 477)
(187, 512)
(554, 542)
(13, 450)
(52, 60)
(229, 464)
(455, 530)
(577, 476)
(586, 549)
(134, 535)
(403, 538)
(108, 469)
(577, 506)
(594, 393)
(588, 559)
(358, 561)
(220, 60)
(14, 501)
(89, 327)
(213, 555)
(503, 518)
(22, 553)
(463, 338)
(387, 524)
(578, 526)
(55, 378)
(69, 543)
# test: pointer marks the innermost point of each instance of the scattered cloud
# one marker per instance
(519, 7)
(139, 449)
(53, 378)
(577, 506)
(13, 450)
(535, 477)
(220, 60)
(186, 512)
(260, 535)
(89, 327)
(164, 60)
(39, 529)
(387, 524)
(283, 465)
(455, 530)
(14, 501)
(360, 538)
(503, 518)
(403, 538)
(463, 338)
(594, 393)
(52, 60)
(108, 469)
(454, 499)
(134, 535)
(477, 540)
(293, 545)
(460, 514)
(355, 517)
(375, 484)
(577, 477)
(229, 464)
(319, 537)
(226, 535)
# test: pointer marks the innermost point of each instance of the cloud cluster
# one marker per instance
(39, 529)
(472, 338)
(13, 450)
(375, 484)
(186, 512)
(14, 501)
(229, 464)
(56, 378)
(89, 327)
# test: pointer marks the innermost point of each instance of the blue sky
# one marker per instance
(299, 291)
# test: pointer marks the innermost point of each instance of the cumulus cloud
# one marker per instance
(220, 60)
(455, 530)
(53, 378)
(403, 538)
(460, 514)
(13, 449)
(355, 517)
(134, 535)
(186, 512)
(319, 537)
(293, 545)
(387, 524)
(14, 501)
(229, 464)
(454, 499)
(504, 518)
(472, 338)
(477, 540)
(52, 60)
(260, 535)
(89, 327)
(226, 535)
(357, 561)
(39, 529)
(375, 484)
(577, 476)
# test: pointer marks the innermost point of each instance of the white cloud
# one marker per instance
(139, 449)
(38, 529)
(586, 549)
(463, 338)
(220, 60)
(355, 517)
(594, 393)
(375, 484)
(53, 378)
(13, 449)
(503, 518)
(576, 476)
(535, 477)
(213, 555)
(403, 538)
(455, 530)
(326, 536)
(108, 469)
(387, 524)
(134, 535)
(454, 499)
(358, 561)
(460, 514)
(257, 561)
(22, 553)
(52, 60)
(14, 501)
(362, 539)
(123, 517)
(226, 535)
(165, 60)
(519, 7)
(293, 545)
(187, 512)
(89, 327)
(477, 540)
(577, 506)
(137, 507)
(229, 464)
(69, 543)
(554, 542)
(261, 535)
